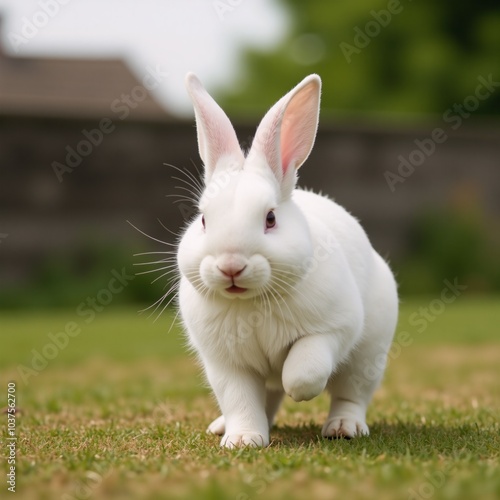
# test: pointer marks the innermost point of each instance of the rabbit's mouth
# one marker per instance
(235, 289)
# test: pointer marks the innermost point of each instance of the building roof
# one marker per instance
(78, 88)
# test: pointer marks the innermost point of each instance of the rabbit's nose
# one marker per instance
(231, 264)
(231, 271)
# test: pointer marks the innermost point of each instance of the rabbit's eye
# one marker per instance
(270, 219)
(203, 221)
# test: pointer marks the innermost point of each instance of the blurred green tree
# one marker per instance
(382, 57)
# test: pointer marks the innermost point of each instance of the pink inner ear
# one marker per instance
(287, 146)
(272, 143)
(286, 134)
(216, 135)
(298, 129)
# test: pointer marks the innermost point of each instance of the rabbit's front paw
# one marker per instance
(218, 426)
(251, 439)
(301, 388)
(344, 427)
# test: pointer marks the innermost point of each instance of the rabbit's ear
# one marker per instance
(216, 135)
(286, 134)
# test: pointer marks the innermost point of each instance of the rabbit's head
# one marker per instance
(250, 238)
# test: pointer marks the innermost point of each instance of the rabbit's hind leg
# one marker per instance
(352, 387)
(351, 390)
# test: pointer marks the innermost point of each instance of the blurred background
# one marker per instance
(93, 111)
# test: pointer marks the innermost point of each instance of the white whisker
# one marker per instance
(162, 275)
(173, 233)
(184, 188)
(196, 183)
(151, 237)
(294, 288)
(153, 270)
(152, 253)
(271, 291)
(274, 282)
(164, 307)
(181, 197)
(175, 317)
(163, 261)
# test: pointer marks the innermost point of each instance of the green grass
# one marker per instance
(120, 413)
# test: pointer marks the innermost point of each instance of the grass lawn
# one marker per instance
(120, 412)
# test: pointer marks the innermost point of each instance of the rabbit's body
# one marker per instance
(298, 305)
(254, 334)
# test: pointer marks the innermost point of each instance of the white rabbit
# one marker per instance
(280, 288)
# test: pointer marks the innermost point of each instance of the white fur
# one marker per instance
(320, 305)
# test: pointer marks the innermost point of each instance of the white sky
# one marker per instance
(204, 36)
